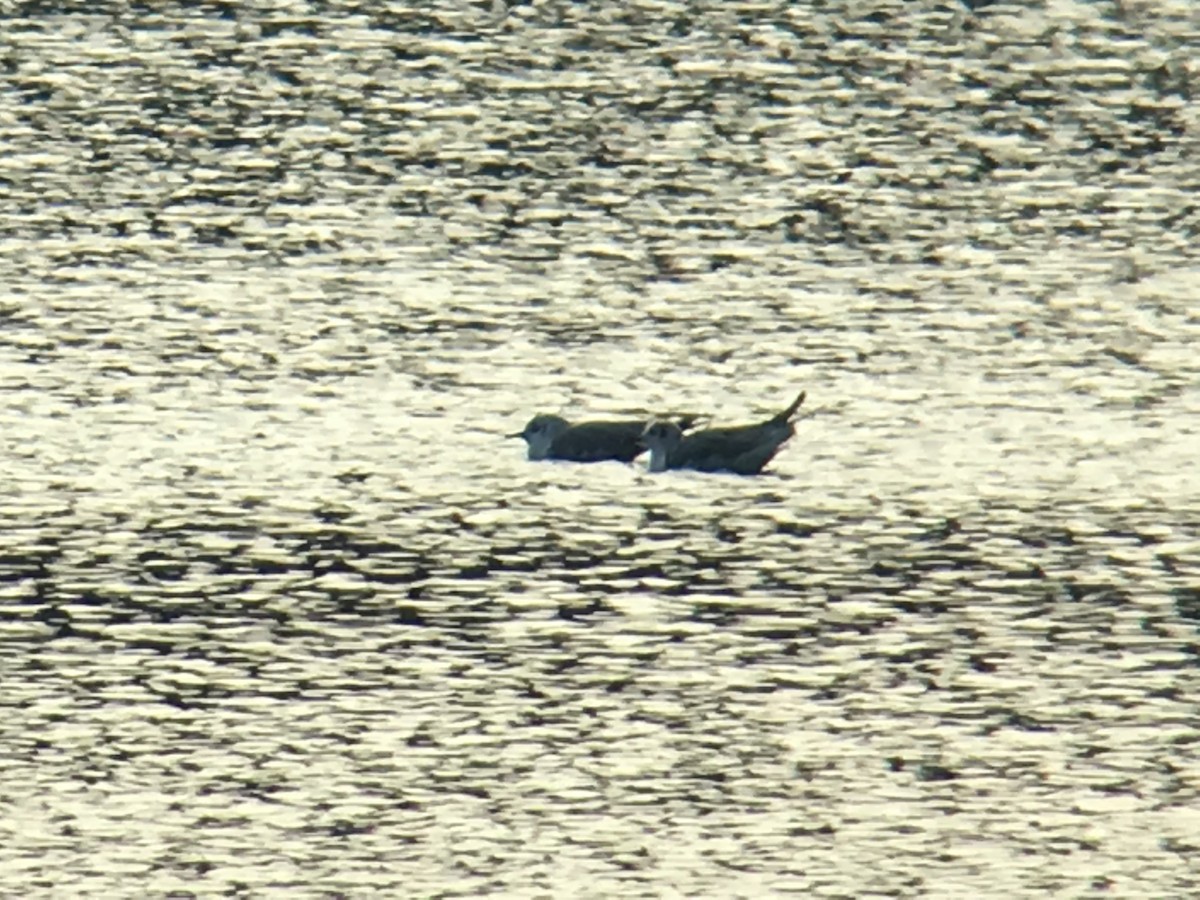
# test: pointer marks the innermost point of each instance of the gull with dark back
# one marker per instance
(553, 437)
(741, 449)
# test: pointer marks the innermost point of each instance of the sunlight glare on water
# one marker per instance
(285, 611)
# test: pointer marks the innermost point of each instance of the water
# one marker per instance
(283, 611)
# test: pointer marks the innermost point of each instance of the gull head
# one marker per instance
(660, 438)
(540, 433)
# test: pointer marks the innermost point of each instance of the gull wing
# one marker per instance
(599, 441)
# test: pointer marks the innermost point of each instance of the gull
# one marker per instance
(553, 437)
(741, 449)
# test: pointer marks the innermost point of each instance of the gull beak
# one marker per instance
(516, 434)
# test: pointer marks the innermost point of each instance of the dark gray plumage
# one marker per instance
(553, 437)
(741, 449)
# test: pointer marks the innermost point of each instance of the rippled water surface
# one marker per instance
(284, 612)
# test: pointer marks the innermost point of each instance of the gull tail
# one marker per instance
(786, 415)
